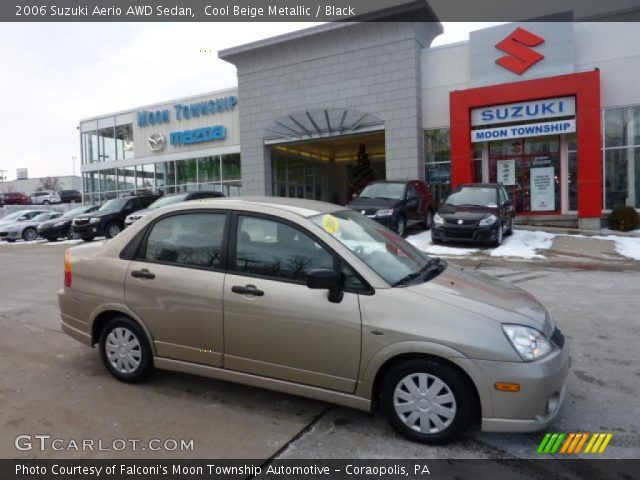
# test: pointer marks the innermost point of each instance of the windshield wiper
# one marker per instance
(433, 268)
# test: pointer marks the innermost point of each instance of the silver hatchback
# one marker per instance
(319, 301)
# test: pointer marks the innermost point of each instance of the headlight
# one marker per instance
(94, 220)
(490, 220)
(384, 213)
(438, 219)
(528, 342)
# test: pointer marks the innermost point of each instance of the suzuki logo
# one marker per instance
(520, 57)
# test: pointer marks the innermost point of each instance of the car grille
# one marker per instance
(454, 221)
(368, 211)
(557, 337)
(459, 233)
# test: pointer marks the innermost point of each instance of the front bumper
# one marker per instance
(88, 229)
(541, 396)
(10, 235)
(51, 231)
(464, 233)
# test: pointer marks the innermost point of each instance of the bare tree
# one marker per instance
(50, 183)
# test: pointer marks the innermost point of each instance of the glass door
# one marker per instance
(529, 168)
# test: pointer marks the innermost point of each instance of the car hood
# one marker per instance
(95, 214)
(367, 203)
(487, 296)
(467, 213)
(50, 223)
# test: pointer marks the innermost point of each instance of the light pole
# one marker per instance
(73, 162)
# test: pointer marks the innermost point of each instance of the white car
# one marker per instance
(45, 198)
(25, 229)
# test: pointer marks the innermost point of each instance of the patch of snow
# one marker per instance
(524, 244)
(22, 242)
(626, 246)
(422, 241)
(65, 242)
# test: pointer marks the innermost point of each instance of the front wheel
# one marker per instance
(499, 237)
(427, 401)
(124, 350)
(46, 202)
(510, 227)
(71, 235)
(401, 226)
(112, 230)
(29, 234)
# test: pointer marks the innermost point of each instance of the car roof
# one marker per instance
(301, 207)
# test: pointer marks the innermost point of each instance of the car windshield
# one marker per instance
(41, 218)
(170, 200)
(74, 212)
(387, 254)
(383, 190)
(114, 205)
(479, 196)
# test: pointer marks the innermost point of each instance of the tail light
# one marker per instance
(67, 268)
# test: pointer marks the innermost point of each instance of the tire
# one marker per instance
(52, 239)
(509, 231)
(71, 235)
(401, 226)
(428, 221)
(437, 241)
(498, 241)
(46, 202)
(454, 408)
(112, 229)
(87, 238)
(124, 350)
(29, 234)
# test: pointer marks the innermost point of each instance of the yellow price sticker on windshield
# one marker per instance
(331, 224)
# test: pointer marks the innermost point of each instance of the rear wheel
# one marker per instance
(111, 230)
(426, 400)
(29, 234)
(401, 226)
(71, 235)
(124, 350)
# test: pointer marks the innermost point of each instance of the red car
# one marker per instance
(16, 198)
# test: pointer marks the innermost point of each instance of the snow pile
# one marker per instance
(626, 246)
(524, 244)
(422, 241)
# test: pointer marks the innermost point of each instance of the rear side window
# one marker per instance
(277, 250)
(188, 240)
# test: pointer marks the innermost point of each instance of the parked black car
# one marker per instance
(170, 200)
(68, 196)
(476, 212)
(61, 227)
(108, 220)
(396, 204)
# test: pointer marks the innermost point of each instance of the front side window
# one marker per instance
(274, 249)
(188, 240)
(387, 254)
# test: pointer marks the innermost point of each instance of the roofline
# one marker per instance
(150, 105)
(388, 14)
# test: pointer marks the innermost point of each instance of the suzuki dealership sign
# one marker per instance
(521, 51)
(521, 131)
(524, 111)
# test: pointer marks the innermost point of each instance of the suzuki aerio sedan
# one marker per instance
(319, 301)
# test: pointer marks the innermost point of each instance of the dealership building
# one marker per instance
(551, 110)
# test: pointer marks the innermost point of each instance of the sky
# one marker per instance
(54, 74)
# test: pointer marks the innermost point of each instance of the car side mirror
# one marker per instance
(508, 203)
(326, 279)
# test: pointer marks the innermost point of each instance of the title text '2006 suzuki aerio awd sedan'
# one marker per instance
(319, 301)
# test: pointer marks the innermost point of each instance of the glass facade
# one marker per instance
(297, 178)
(622, 157)
(107, 144)
(216, 172)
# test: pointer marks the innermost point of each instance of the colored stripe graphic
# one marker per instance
(573, 443)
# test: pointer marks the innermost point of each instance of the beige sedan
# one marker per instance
(319, 301)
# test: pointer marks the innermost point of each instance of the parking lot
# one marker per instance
(52, 385)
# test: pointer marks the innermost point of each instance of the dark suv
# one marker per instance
(108, 220)
(68, 196)
(396, 204)
(475, 212)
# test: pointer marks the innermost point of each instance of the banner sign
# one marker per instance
(522, 131)
(506, 172)
(543, 192)
(523, 111)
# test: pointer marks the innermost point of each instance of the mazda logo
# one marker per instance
(156, 142)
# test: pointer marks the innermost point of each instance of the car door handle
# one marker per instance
(144, 273)
(248, 290)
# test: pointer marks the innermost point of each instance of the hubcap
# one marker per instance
(114, 230)
(424, 403)
(123, 350)
(30, 235)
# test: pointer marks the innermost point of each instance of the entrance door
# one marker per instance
(285, 330)
(529, 168)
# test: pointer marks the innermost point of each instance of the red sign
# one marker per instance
(521, 57)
